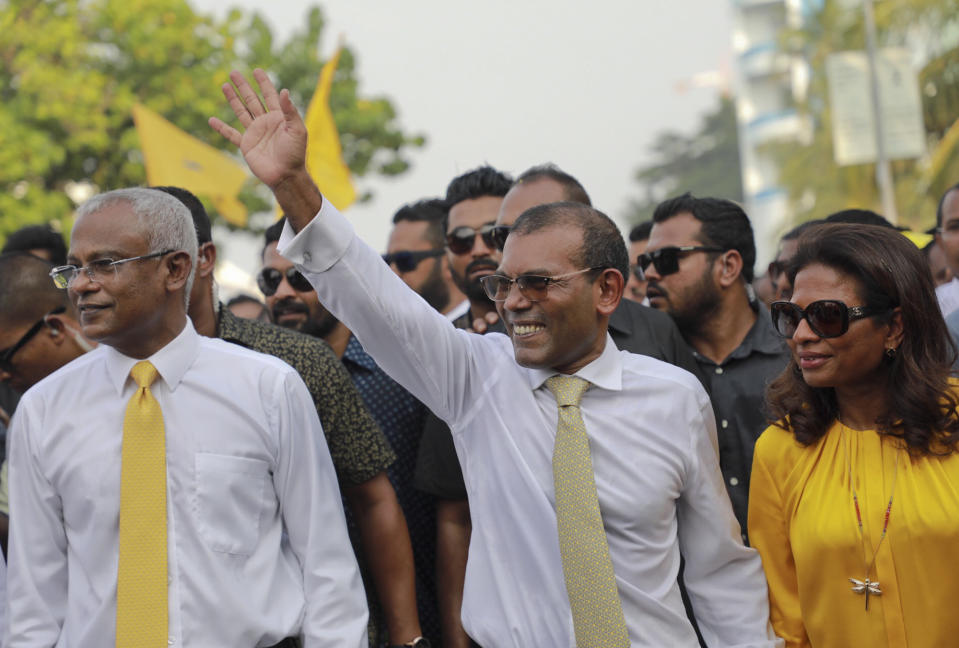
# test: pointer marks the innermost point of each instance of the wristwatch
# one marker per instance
(419, 642)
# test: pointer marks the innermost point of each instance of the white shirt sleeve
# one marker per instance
(38, 543)
(306, 486)
(413, 343)
(722, 576)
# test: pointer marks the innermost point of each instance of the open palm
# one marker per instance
(273, 142)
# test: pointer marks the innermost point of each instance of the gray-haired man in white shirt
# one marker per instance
(245, 544)
(651, 437)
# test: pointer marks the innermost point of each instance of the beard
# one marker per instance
(473, 289)
(700, 302)
(319, 324)
(434, 290)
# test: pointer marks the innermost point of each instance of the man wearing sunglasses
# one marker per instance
(39, 333)
(416, 251)
(167, 488)
(699, 264)
(551, 423)
(399, 414)
(359, 450)
(473, 200)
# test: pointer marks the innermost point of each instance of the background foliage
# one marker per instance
(72, 70)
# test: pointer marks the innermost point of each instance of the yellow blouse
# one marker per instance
(802, 519)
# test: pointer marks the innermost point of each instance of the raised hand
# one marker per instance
(274, 139)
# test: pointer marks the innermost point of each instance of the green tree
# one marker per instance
(72, 70)
(706, 163)
(817, 186)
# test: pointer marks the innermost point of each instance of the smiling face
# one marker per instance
(129, 309)
(854, 359)
(292, 308)
(566, 331)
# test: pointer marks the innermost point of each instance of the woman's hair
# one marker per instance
(890, 272)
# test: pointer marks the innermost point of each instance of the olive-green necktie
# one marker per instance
(142, 569)
(598, 618)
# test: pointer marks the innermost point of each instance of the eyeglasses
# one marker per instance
(533, 287)
(269, 280)
(499, 234)
(666, 260)
(6, 355)
(407, 261)
(98, 271)
(828, 318)
(461, 239)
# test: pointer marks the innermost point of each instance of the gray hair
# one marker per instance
(165, 221)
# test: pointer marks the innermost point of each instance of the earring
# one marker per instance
(891, 352)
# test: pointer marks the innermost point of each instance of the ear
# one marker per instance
(896, 330)
(205, 259)
(609, 287)
(55, 329)
(178, 267)
(730, 268)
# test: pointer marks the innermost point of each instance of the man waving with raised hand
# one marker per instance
(588, 469)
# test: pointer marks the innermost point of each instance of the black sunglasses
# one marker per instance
(6, 355)
(407, 261)
(269, 280)
(828, 318)
(461, 239)
(666, 260)
(499, 234)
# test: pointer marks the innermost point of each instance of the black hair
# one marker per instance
(272, 233)
(942, 202)
(574, 191)
(640, 232)
(859, 217)
(724, 224)
(38, 237)
(432, 211)
(603, 245)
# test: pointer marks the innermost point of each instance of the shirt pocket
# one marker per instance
(230, 500)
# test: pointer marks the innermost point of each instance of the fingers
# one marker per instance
(290, 113)
(270, 97)
(225, 130)
(239, 109)
(250, 99)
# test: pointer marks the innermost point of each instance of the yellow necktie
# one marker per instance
(590, 583)
(142, 571)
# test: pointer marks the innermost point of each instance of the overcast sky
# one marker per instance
(515, 83)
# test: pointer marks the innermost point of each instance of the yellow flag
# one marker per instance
(173, 157)
(324, 157)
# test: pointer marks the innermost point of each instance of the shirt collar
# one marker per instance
(605, 372)
(762, 337)
(171, 362)
(356, 354)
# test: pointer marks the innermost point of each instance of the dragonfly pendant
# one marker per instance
(866, 587)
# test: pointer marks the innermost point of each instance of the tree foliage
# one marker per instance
(705, 163)
(817, 186)
(72, 70)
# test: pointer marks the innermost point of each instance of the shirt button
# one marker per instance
(171, 641)
(307, 256)
(725, 424)
(733, 481)
(719, 370)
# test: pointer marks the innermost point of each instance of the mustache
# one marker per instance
(289, 305)
(483, 263)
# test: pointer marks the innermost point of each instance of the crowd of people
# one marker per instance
(514, 428)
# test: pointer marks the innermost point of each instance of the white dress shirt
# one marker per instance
(653, 444)
(948, 296)
(258, 547)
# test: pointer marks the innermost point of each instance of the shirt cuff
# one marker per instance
(321, 243)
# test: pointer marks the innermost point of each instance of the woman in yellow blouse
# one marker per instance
(854, 496)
